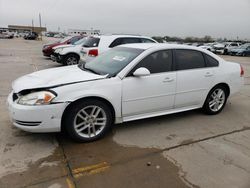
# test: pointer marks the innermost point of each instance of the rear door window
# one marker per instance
(189, 59)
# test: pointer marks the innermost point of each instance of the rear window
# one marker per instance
(211, 62)
(91, 42)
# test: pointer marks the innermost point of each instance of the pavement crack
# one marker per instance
(70, 174)
(181, 145)
(205, 139)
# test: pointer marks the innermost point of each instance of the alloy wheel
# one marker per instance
(90, 121)
(217, 100)
(72, 61)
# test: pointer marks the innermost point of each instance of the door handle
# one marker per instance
(208, 74)
(168, 79)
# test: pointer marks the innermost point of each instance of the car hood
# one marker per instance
(54, 77)
(62, 46)
(237, 50)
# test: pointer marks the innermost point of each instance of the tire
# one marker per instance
(71, 59)
(210, 107)
(82, 126)
(225, 52)
(243, 54)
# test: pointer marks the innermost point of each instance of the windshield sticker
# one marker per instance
(119, 58)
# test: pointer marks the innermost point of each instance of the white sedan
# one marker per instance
(126, 83)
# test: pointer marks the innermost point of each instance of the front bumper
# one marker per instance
(44, 118)
(56, 57)
(218, 51)
(47, 52)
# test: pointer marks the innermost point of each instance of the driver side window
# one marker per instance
(157, 62)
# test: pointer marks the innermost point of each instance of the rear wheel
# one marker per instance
(71, 59)
(88, 121)
(243, 54)
(216, 100)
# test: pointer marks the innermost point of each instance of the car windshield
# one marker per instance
(112, 62)
(65, 39)
(81, 41)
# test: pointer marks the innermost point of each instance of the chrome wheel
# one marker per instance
(90, 121)
(72, 61)
(217, 100)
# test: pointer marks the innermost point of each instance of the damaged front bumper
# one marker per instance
(37, 118)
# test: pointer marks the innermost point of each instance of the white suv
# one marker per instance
(96, 45)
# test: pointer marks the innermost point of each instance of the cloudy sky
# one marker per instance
(218, 18)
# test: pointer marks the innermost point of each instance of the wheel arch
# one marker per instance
(71, 104)
(224, 85)
(72, 53)
(219, 84)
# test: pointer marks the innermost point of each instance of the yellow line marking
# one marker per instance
(70, 183)
(90, 170)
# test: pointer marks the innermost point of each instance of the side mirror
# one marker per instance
(142, 71)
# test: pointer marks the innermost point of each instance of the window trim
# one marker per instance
(172, 66)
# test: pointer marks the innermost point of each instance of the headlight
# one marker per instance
(37, 98)
(58, 50)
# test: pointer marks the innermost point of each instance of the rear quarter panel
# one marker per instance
(229, 73)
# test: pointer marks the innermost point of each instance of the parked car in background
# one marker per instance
(47, 48)
(31, 36)
(94, 45)
(74, 48)
(229, 46)
(224, 48)
(207, 46)
(6, 35)
(243, 50)
(218, 48)
(126, 83)
(98, 44)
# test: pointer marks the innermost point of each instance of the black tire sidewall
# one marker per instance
(74, 109)
(68, 56)
(206, 107)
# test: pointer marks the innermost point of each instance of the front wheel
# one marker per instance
(71, 59)
(88, 121)
(216, 100)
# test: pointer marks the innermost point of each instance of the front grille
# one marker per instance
(14, 96)
(28, 123)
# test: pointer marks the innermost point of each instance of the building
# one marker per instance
(83, 32)
(20, 28)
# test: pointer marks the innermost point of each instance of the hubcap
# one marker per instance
(217, 100)
(72, 61)
(90, 121)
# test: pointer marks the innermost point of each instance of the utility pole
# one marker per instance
(40, 22)
(32, 25)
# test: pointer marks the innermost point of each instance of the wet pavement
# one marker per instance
(188, 149)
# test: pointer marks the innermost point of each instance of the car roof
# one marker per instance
(113, 36)
(145, 46)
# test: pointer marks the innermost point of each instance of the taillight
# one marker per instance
(93, 53)
(241, 71)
